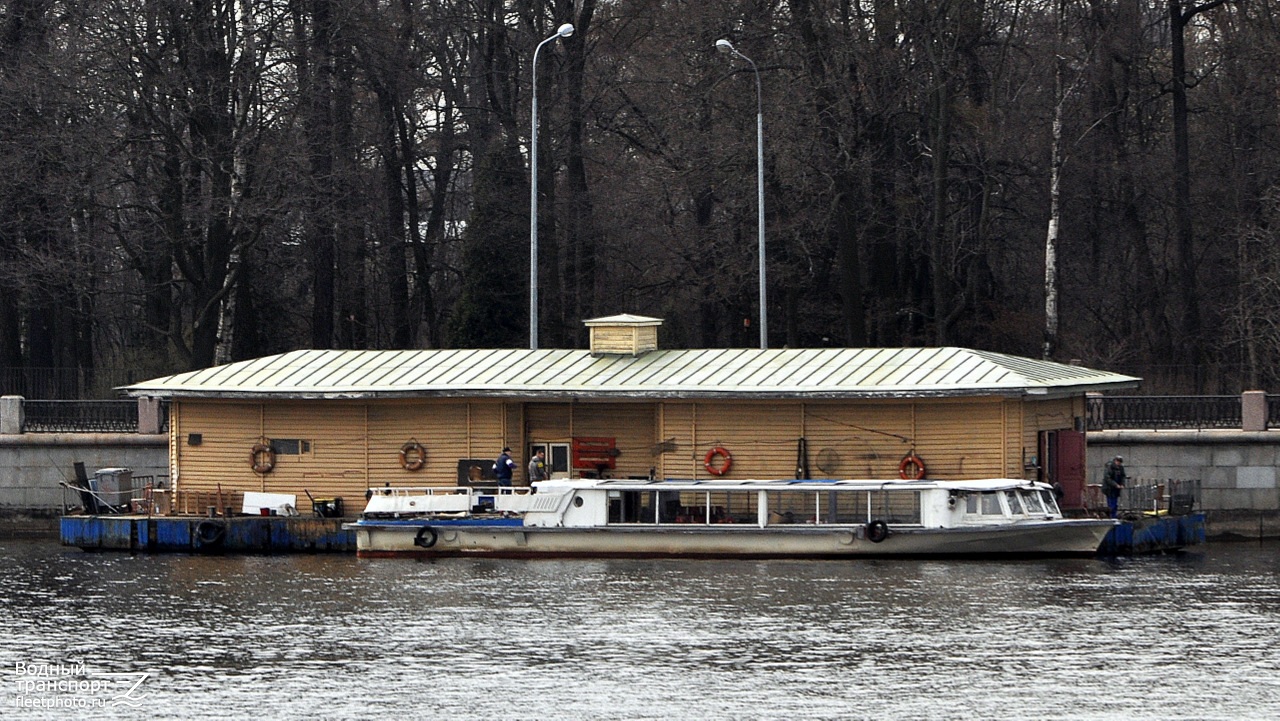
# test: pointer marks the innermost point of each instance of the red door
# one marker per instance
(1066, 456)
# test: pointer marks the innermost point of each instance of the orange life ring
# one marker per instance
(262, 458)
(909, 461)
(413, 456)
(711, 456)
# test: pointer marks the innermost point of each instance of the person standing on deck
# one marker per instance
(504, 467)
(1113, 480)
(538, 466)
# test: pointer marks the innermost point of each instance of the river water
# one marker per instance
(111, 635)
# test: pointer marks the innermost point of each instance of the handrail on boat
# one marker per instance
(398, 491)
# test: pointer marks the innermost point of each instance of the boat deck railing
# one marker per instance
(1153, 496)
(403, 491)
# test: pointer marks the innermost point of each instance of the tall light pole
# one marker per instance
(725, 46)
(563, 31)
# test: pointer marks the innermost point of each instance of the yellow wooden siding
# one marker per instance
(631, 425)
(357, 443)
(548, 422)
(761, 437)
(961, 439)
(441, 427)
(1047, 415)
(868, 440)
(1018, 453)
(677, 458)
(227, 432)
(337, 462)
(627, 340)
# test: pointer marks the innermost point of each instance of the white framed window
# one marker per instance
(557, 458)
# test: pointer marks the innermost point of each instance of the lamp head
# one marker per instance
(724, 46)
(565, 30)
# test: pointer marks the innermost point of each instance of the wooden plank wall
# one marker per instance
(357, 443)
(631, 425)
(679, 456)
(354, 444)
(864, 441)
(961, 438)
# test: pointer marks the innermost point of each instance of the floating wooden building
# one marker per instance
(334, 422)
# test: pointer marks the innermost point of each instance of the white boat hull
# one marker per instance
(1050, 538)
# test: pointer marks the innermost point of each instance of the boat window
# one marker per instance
(971, 503)
(991, 504)
(733, 507)
(792, 507)
(631, 507)
(1032, 501)
(896, 506)
(844, 507)
(1015, 505)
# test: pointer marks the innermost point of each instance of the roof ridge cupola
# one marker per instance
(623, 334)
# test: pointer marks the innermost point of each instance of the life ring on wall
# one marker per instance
(413, 455)
(426, 537)
(711, 456)
(262, 458)
(911, 468)
(877, 531)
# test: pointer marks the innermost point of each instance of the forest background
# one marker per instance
(190, 182)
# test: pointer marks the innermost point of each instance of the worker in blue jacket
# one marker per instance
(504, 467)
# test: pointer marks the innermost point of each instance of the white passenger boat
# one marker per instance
(720, 518)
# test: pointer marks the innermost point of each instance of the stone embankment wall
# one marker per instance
(34, 465)
(1237, 470)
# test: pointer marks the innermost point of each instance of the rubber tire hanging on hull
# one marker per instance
(209, 535)
(426, 537)
(877, 531)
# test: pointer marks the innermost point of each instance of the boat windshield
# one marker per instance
(1050, 503)
(1031, 499)
(986, 503)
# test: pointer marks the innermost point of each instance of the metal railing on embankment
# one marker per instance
(1176, 497)
(1163, 412)
(85, 416)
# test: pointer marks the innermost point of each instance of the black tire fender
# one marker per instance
(877, 531)
(426, 537)
(210, 534)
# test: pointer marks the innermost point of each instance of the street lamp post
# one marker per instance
(563, 31)
(725, 46)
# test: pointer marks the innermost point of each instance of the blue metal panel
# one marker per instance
(81, 531)
(172, 534)
(117, 533)
(248, 535)
(1154, 535)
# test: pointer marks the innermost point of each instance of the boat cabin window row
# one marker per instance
(782, 507)
(901, 507)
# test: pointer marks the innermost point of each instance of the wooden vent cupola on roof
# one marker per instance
(624, 334)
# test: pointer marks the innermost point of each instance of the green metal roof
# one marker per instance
(715, 373)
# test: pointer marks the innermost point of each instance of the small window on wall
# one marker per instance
(290, 447)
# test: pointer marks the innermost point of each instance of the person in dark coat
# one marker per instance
(504, 467)
(1113, 480)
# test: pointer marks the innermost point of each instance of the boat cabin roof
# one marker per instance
(669, 484)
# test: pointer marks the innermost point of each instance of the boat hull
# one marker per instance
(409, 539)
